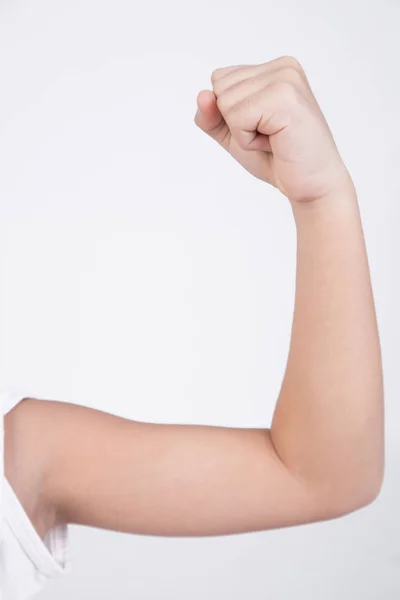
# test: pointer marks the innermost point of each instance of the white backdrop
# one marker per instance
(143, 272)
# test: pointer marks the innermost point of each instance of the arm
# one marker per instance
(328, 422)
(323, 456)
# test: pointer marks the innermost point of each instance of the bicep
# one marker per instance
(175, 480)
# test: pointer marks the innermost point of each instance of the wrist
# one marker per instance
(341, 200)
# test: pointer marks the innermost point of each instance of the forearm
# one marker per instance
(328, 424)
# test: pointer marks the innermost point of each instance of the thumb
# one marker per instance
(210, 120)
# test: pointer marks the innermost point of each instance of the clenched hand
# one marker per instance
(268, 119)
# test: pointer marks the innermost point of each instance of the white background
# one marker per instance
(143, 272)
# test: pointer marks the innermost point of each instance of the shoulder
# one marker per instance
(29, 459)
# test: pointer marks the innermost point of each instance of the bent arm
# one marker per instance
(322, 457)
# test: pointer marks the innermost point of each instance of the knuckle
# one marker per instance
(292, 63)
(217, 74)
(291, 75)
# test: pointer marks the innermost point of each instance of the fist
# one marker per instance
(268, 119)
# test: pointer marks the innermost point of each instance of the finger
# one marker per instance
(263, 79)
(221, 83)
(210, 119)
(242, 90)
(222, 72)
(223, 78)
(259, 142)
(251, 140)
(255, 119)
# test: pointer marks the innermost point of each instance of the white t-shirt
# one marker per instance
(26, 561)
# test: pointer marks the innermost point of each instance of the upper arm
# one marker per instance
(177, 480)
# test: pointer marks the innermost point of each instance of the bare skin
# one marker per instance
(323, 455)
(27, 460)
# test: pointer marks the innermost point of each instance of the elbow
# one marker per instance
(348, 498)
(373, 490)
(366, 485)
(365, 496)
